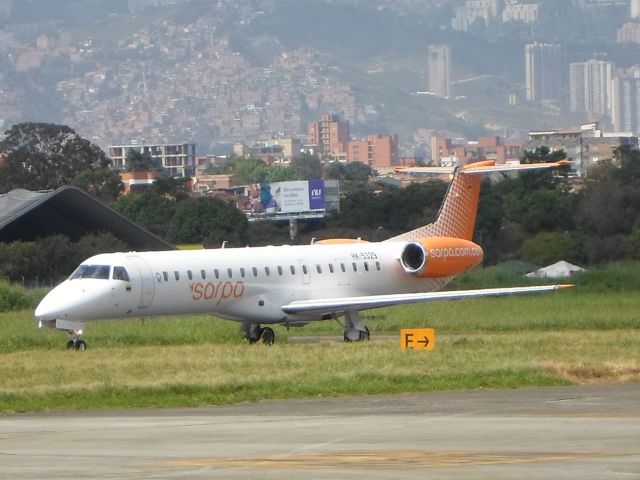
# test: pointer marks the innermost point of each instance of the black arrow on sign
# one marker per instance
(425, 342)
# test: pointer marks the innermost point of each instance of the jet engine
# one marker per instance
(436, 257)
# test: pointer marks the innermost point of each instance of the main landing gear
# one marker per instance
(355, 330)
(255, 333)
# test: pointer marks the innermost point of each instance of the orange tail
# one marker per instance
(457, 216)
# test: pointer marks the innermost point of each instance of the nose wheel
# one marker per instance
(77, 344)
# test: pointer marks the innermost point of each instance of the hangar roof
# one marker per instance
(26, 215)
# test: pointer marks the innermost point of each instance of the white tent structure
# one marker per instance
(560, 269)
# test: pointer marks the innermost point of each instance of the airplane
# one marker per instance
(287, 285)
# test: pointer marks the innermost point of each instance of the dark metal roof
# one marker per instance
(26, 215)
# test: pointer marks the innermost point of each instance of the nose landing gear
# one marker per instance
(73, 328)
(77, 344)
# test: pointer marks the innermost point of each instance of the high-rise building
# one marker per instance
(635, 8)
(474, 11)
(439, 70)
(543, 71)
(628, 33)
(330, 135)
(625, 108)
(590, 87)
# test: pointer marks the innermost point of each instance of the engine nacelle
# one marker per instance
(437, 257)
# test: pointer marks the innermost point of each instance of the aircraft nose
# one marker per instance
(45, 309)
(56, 304)
(71, 301)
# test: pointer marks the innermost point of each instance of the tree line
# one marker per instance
(539, 217)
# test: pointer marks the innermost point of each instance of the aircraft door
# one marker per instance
(147, 285)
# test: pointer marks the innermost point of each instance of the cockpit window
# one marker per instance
(91, 271)
(120, 273)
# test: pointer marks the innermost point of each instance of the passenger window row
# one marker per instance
(267, 271)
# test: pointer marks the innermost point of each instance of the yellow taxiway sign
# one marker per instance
(417, 338)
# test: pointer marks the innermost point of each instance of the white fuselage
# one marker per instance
(244, 284)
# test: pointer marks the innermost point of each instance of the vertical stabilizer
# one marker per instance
(457, 216)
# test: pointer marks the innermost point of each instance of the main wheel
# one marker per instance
(268, 336)
(255, 336)
(364, 335)
(80, 346)
(71, 345)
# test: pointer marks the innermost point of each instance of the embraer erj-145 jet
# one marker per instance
(286, 285)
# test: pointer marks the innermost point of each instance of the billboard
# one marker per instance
(288, 197)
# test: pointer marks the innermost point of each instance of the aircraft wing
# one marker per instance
(329, 305)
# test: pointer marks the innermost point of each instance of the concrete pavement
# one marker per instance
(590, 432)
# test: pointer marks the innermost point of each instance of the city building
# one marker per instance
(446, 152)
(635, 8)
(211, 184)
(584, 146)
(596, 4)
(439, 70)
(177, 159)
(628, 33)
(543, 71)
(136, 182)
(520, 12)
(473, 11)
(590, 87)
(376, 151)
(281, 150)
(330, 135)
(204, 164)
(625, 108)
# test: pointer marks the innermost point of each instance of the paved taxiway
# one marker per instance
(574, 432)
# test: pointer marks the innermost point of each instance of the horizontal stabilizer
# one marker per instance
(484, 167)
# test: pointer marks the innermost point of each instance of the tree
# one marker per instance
(137, 161)
(250, 170)
(349, 172)
(150, 209)
(307, 167)
(608, 208)
(50, 259)
(538, 201)
(102, 183)
(43, 156)
(549, 247)
(210, 221)
(171, 187)
(395, 210)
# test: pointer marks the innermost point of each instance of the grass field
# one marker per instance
(587, 334)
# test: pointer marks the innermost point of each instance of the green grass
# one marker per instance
(199, 375)
(587, 334)
(14, 297)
